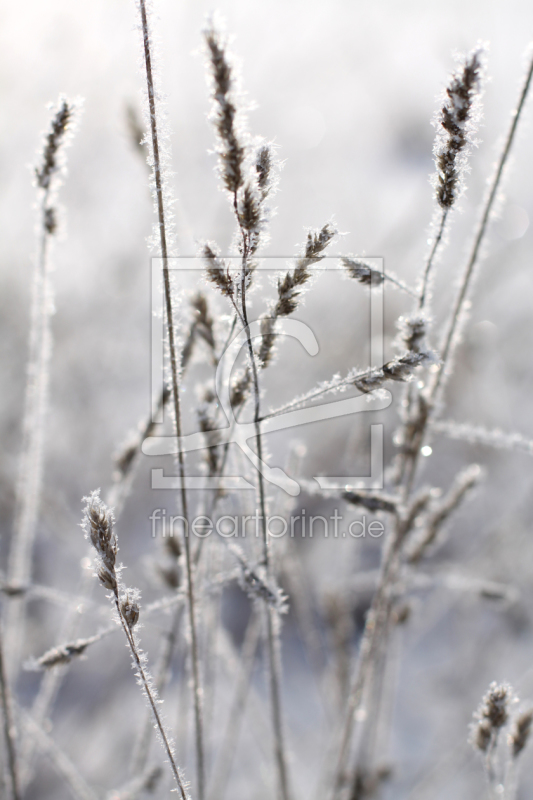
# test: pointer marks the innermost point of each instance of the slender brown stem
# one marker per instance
(431, 259)
(176, 398)
(151, 700)
(142, 745)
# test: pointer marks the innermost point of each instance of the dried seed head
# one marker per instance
(208, 427)
(482, 735)
(373, 502)
(50, 220)
(216, 270)
(290, 287)
(317, 241)
(239, 388)
(203, 321)
(263, 168)
(495, 705)
(368, 783)
(401, 369)
(63, 654)
(130, 449)
(442, 509)
(107, 578)
(362, 271)
(457, 120)
(249, 209)
(401, 614)
(413, 332)
(61, 125)
(268, 338)
(129, 608)
(224, 115)
(13, 589)
(98, 526)
(170, 574)
(491, 716)
(520, 732)
(172, 544)
(256, 587)
(369, 381)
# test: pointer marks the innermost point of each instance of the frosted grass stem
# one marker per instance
(28, 491)
(98, 526)
(174, 368)
(11, 777)
(451, 338)
(271, 614)
(431, 258)
(150, 695)
(457, 316)
(142, 745)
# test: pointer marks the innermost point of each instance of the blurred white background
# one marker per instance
(347, 90)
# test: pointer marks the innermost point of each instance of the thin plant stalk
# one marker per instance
(98, 526)
(174, 369)
(142, 745)
(28, 492)
(451, 337)
(12, 779)
(231, 733)
(431, 258)
(271, 614)
(151, 700)
(377, 621)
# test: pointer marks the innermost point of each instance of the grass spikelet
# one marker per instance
(225, 117)
(457, 121)
(98, 522)
(217, 271)
(520, 732)
(62, 654)
(441, 510)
